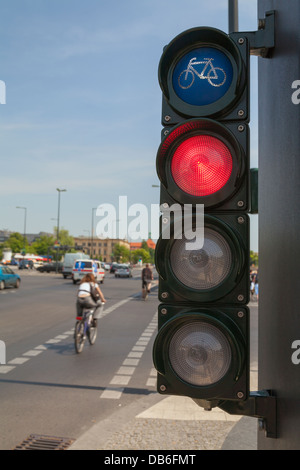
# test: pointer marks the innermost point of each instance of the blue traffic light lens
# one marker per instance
(203, 76)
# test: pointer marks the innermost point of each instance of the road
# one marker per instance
(46, 388)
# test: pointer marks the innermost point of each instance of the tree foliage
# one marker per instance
(253, 258)
(121, 253)
(16, 243)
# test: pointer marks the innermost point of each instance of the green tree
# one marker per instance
(121, 253)
(43, 245)
(16, 243)
(149, 250)
(253, 258)
(140, 254)
(64, 237)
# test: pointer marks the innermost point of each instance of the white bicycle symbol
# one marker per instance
(215, 75)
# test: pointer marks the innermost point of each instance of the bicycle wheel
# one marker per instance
(216, 77)
(186, 79)
(79, 337)
(92, 334)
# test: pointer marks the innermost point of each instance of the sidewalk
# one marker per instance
(169, 423)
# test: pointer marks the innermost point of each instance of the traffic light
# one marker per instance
(202, 346)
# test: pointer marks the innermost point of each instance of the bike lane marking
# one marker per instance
(17, 361)
(129, 365)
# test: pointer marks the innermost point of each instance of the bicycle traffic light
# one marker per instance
(204, 72)
(202, 256)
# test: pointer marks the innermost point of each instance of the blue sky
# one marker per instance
(83, 103)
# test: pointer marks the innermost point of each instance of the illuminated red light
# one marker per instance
(201, 165)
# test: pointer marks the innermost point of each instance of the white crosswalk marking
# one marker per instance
(126, 371)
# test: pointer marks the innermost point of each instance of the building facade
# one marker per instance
(99, 248)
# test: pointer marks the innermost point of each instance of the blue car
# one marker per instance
(8, 278)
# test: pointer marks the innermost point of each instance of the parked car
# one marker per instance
(83, 267)
(50, 268)
(123, 270)
(8, 278)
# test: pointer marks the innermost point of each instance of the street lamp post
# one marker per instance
(58, 214)
(89, 238)
(58, 217)
(93, 210)
(25, 220)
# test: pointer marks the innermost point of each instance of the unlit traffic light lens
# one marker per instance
(205, 268)
(200, 353)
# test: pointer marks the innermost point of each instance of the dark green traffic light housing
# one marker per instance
(202, 346)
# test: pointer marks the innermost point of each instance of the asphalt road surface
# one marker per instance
(45, 387)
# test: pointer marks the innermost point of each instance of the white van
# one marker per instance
(69, 261)
(82, 267)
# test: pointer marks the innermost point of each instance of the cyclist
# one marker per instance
(147, 277)
(85, 299)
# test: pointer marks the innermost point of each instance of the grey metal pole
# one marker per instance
(93, 210)
(58, 216)
(25, 221)
(279, 223)
(233, 16)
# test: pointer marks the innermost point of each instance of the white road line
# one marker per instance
(112, 393)
(33, 353)
(151, 382)
(6, 369)
(126, 371)
(114, 307)
(120, 380)
(19, 360)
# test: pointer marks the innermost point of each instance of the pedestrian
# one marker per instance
(252, 287)
(256, 287)
(147, 277)
(90, 296)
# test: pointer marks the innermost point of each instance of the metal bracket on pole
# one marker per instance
(261, 42)
(261, 405)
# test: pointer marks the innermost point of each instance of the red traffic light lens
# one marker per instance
(201, 165)
(202, 162)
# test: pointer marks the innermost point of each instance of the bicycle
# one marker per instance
(215, 76)
(86, 327)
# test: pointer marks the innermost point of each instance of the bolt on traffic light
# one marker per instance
(201, 349)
